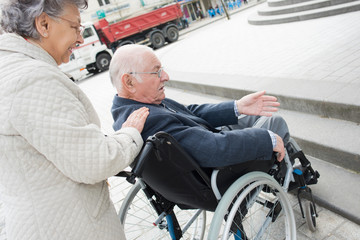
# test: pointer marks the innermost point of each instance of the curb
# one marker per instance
(334, 208)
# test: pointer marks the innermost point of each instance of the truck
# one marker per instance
(101, 39)
(75, 69)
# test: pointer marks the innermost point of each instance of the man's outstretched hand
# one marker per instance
(257, 104)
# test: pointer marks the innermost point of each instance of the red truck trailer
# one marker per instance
(154, 28)
(101, 39)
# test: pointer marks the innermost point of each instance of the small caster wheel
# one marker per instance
(310, 216)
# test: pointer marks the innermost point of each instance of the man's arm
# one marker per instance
(217, 115)
(214, 149)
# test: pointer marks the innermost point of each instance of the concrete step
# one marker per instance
(333, 140)
(296, 89)
(331, 146)
(299, 7)
(257, 19)
(278, 3)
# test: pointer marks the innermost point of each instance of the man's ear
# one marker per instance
(128, 83)
(42, 24)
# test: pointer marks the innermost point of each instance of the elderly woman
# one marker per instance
(54, 159)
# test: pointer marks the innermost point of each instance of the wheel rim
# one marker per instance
(104, 63)
(255, 214)
(138, 217)
(256, 222)
(157, 40)
(172, 35)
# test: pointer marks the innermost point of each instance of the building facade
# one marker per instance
(117, 10)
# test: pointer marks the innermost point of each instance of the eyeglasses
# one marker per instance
(79, 28)
(158, 72)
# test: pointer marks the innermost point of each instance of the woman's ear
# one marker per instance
(42, 24)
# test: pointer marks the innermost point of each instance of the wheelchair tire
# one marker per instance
(137, 216)
(257, 205)
(310, 216)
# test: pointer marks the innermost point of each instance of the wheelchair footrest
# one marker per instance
(310, 176)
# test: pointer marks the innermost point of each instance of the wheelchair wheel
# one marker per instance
(310, 216)
(254, 207)
(137, 216)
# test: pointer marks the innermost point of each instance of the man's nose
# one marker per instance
(164, 76)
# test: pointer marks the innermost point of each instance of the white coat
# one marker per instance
(54, 159)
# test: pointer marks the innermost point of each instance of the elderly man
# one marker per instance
(139, 78)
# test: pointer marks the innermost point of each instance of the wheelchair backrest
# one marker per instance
(171, 172)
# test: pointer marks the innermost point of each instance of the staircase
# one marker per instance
(285, 11)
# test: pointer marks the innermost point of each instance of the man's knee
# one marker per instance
(278, 119)
(280, 127)
(276, 124)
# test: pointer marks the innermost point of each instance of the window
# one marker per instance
(103, 2)
(72, 57)
(88, 32)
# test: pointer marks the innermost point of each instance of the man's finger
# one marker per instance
(270, 109)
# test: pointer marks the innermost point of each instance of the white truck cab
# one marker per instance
(92, 54)
(75, 68)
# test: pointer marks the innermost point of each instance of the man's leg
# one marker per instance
(275, 124)
(278, 125)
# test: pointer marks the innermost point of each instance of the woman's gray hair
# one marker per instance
(18, 16)
(128, 58)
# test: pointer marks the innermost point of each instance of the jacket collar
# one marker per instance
(11, 42)
(124, 101)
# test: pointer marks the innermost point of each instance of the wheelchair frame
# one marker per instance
(233, 210)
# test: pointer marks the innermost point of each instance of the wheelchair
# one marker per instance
(171, 195)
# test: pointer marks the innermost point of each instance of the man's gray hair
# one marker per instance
(128, 58)
(18, 16)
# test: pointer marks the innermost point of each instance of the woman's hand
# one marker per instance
(137, 119)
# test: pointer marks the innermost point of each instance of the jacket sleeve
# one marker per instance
(55, 117)
(217, 115)
(214, 149)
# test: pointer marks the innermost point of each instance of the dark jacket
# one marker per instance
(194, 128)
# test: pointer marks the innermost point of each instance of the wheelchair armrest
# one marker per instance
(139, 165)
(123, 174)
